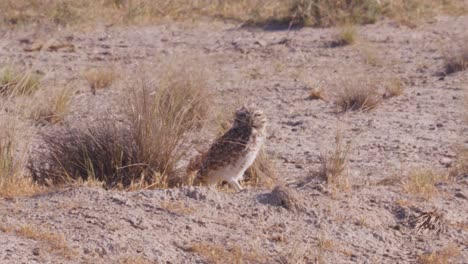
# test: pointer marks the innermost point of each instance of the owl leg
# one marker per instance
(234, 184)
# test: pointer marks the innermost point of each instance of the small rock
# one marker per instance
(36, 251)
(287, 198)
(194, 193)
(446, 162)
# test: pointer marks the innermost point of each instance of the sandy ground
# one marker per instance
(274, 70)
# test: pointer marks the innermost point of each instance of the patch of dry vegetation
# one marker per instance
(219, 254)
(317, 94)
(252, 12)
(443, 256)
(144, 152)
(15, 82)
(456, 57)
(56, 241)
(135, 260)
(177, 207)
(53, 242)
(358, 94)
(334, 162)
(53, 106)
(421, 182)
(347, 35)
(371, 54)
(393, 87)
(13, 180)
(100, 78)
(460, 169)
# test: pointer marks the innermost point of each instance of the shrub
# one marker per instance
(358, 95)
(146, 151)
(334, 163)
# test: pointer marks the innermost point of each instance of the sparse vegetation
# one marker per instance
(333, 164)
(226, 254)
(15, 82)
(443, 256)
(177, 207)
(144, 153)
(100, 78)
(371, 55)
(460, 169)
(55, 241)
(393, 87)
(53, 108)
(421, 182)
(252, 12)
(13, 181)
(317, 94)
(359, 94)
(456, 57)
(347, 35)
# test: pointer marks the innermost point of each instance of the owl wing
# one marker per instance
(226, 148)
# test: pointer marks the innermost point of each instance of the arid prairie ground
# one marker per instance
(367, 221)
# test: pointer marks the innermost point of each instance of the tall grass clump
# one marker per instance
(359, 94)
(16, 82)
(456, 57)
(422, 182)
(334, 162)
(13, 173)
(52, 107)
(145, 151)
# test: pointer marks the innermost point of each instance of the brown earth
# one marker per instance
(275, 70)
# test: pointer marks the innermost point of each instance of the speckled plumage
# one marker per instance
(231, 154)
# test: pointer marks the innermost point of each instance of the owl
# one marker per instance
(234, 152)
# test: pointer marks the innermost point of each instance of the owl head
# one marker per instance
(249, 117)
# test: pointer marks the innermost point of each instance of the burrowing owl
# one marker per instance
(231, 154)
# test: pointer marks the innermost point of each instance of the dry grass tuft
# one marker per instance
(16, 82)
(177, 207)
(56, 241)
(456, 57)
(100, 78)
(135, 260)
(359, 94)
(144, 152)
(55, 107)
(421, 182)
(229, 255)
(371, 54)
(443, 256)
(393, 87)
(334, 163)
(325, 244)
(461, 166)
(347, 35)
(13, 180)
(317, 94)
